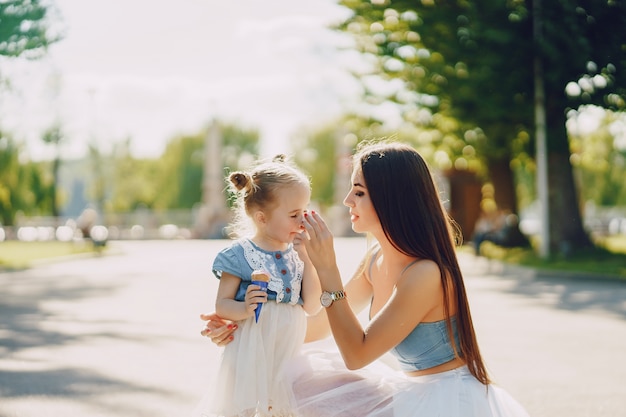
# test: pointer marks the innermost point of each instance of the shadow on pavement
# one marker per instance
(572, 292)
(30, 320)
(23, 311)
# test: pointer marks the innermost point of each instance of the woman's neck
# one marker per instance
(391, 257)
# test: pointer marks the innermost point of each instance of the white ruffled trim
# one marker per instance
(265, 261)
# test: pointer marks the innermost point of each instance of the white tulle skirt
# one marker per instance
(266, 372)
(251, 380)
(324, 387)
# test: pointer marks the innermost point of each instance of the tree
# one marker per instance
(180, 177)
(473, 61)
(23, 187)
(323, 155)
(9, 179)
(25, 28)
(54, 136)
(600, 160)
(133, 179)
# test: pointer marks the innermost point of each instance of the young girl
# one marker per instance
(250, 383)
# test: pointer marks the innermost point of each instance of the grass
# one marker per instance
(20, 255)
(607, 259)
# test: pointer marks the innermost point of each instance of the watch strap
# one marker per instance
(338, 295)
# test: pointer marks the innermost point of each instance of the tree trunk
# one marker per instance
(567, 233)
(503, 182)
(56, 166)
(505, 196)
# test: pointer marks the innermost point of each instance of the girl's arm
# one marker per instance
(225, 304)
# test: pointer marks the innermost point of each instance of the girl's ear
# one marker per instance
(259, 217)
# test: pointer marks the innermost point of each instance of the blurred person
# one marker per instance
(272, 198)
(411, 282)
(488, 223)
(500, 227)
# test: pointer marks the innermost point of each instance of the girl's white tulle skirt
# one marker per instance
(324, 387)
(266, 372)
(251, 380)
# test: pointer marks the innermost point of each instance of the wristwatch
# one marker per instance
(327, 298)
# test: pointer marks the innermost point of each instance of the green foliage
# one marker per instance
(25, 28)
(474, 60)
(180, 169)
(325, 152)
(477, 62)
(451, 57)
(325, 155)
(597, 261)
(23, 186)
(19, 255)
(318, 159)
(600, 163)
(133, 183)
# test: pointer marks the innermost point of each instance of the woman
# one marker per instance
(418, 306)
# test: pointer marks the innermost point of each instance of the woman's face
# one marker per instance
(362, 214)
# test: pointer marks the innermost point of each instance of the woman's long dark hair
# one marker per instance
(414, 220)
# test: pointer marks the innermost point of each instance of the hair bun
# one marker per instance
(240, 180)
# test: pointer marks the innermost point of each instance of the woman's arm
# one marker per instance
(415, 294)
(311, 290)
(359, 296)
(225, 304)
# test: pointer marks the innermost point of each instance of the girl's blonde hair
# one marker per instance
(256, 190)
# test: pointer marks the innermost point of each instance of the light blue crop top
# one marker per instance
(428, 345)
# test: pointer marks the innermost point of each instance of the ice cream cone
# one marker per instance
(260, 278)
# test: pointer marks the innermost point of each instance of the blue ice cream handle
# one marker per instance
(260, 278)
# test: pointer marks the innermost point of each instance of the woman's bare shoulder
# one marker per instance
(423, 273)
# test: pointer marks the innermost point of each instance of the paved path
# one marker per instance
(118, 335)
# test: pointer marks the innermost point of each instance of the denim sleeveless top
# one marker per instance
(428, 345)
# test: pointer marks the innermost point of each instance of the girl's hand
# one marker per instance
(220, 331)
(254, 295)
(319, 245)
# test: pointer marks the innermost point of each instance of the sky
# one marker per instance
(151, 70)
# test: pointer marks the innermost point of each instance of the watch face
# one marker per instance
(326, 299)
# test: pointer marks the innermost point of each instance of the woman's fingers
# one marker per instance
(219, 331)
(317, 225)
(223, 336)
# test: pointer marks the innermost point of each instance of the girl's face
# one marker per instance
(284, 221)
(362, 214)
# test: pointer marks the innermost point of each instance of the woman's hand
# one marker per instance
(319, 242)
(299, 246)
(220, 331)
